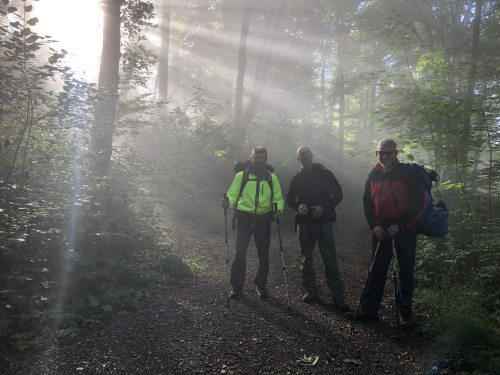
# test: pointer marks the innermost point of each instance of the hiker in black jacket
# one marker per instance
(313, 193)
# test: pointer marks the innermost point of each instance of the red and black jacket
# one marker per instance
(393, 196)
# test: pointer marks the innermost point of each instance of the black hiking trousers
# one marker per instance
(260, 227)
(406, 244)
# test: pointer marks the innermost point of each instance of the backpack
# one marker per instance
(245, 166)
(434, 220)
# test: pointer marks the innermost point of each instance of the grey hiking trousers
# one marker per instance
(260, 227)
(322, 233)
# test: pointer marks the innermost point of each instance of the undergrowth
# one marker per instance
(63, 270)
(469, 325)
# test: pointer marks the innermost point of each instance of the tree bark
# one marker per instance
(469, 94)
(164, 51)
(242, 63)
(341, 88)
(243, 119)
(474, 57)
(102, 140)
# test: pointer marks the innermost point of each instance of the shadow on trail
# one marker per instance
(189, 329)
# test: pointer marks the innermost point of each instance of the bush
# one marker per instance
(469, 325)
(77, 266)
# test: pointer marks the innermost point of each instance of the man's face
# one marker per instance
(386, 156)
(304, 155)
(259, 160)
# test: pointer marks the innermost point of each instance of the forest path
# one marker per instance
(189, 329)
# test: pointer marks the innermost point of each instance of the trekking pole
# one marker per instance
(227, 255)
(395, 288)
(366, 283)
(282, 259)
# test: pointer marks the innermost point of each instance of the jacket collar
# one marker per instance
(378, 167)
(315, 166)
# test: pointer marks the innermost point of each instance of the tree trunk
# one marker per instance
(341, 92)
(326, 123)
(164, 51)
(469, 94)
(474, 57)
(243, 119)
(102, 140)
(242, 63)
(373, 100)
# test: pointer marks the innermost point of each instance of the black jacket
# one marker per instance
(315, 187)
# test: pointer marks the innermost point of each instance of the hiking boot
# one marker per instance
(341, 306)
(406, 322)
(362, 315)
(262, 293)
(309, 297)
(235, 294)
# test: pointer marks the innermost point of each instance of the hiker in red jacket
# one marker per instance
(393, 201)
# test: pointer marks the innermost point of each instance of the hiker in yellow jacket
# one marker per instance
(253, 194)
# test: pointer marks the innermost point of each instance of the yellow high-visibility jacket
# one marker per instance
(255, 193)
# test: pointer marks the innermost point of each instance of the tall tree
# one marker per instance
(164, 50)
(272, 14)
(102, 138)
(242, 61)
(472, 75)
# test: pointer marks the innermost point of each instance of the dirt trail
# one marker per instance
(189, 329)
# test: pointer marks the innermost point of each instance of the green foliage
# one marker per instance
(470, 332)
(73, 249)
(436, 100)
(102, 264)
(138, 60)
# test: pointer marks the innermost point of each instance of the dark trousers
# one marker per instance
(406, 244)
(322, 233)
(260, 227)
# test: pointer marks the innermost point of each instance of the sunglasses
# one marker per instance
(302, 153)
(382, 153)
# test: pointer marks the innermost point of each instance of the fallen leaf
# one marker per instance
(197, 370)
(308, 361)
(355, 361)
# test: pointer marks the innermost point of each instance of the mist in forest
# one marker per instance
(236, 75)
(121, 122)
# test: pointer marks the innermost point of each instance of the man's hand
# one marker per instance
(379, 232)
(317, 211)
(278, 214)
(302, 209)
(393, 230)
(224, 202)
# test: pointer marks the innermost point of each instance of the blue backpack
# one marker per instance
(434, 220)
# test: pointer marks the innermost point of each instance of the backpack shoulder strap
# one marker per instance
(244, 180)
(269, 179)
